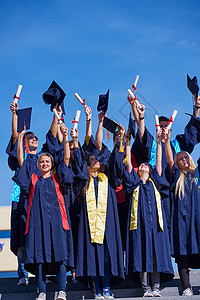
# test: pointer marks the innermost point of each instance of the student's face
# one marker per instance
(183, 161)
(144, 168)
(94, 163)
(32, 140)
(163, 126)
(45, 164)
(116, 139)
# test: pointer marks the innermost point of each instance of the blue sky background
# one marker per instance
(90, 46)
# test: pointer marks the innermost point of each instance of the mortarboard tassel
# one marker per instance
(121, 145)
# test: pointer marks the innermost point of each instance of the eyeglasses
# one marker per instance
(31, 137)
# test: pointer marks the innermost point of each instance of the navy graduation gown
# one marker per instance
(19, 207)
(46, 241)
(90, 256)
(140, 241)
(185, 219)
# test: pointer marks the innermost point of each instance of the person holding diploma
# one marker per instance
(49, 243)
(147, 144)
(99, 248)
(147, 240)
(185, 214)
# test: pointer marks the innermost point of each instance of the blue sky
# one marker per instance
(90, 46)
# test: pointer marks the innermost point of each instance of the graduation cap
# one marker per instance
(109, 124)
(24, 118)
(131, 126)
(195, 121)
(54, 95)
(103, 102)
(192, 85)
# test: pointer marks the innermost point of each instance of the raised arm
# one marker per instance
(158, 165)
(134, 109)
(54, 124)
(168, 150)
(20, 149)
(128, 152)
(99, 133)
(64, 131)
(14, 107)
(74, 136)
(88, 113)
(141, 124)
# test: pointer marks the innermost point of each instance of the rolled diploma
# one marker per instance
(173, 117)
(78, 112)
(81, 101)
(136, 101)
(157, 123)
(18, 93)
(57, 116)
(136, 81)
(79, 98)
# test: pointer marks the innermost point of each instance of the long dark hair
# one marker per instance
(101, 169)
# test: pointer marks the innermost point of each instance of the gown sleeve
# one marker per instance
(11, 150)
(191, 136)
(54, 147)
(23, 176)
(161, 184)
(142, 148)
(80, 172)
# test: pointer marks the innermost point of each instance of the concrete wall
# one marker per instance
(8, 261)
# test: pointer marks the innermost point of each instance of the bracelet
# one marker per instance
(141, 118)
(89, 120)
(65, 142)
(196, 106)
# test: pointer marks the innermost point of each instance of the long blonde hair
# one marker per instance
(180, 185)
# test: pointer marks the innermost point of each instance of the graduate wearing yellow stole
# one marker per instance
(99, 249)
(147, 245)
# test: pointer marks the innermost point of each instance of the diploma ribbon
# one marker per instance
(83, 103)
(15, 97)
(74, 121)
(170, 120)
(61, 119)
(157, 125)
(134, 87)
(135, 98)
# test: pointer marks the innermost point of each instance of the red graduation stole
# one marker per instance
(59, 193)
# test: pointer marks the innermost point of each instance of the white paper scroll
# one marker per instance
(157, 123)
(132, 97)
(135, 82)
(171, 120)
(16, 96)
(58, 117)
(76, 120)
(82, 101)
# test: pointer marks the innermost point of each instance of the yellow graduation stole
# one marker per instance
(97, 213)
(134, 207)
